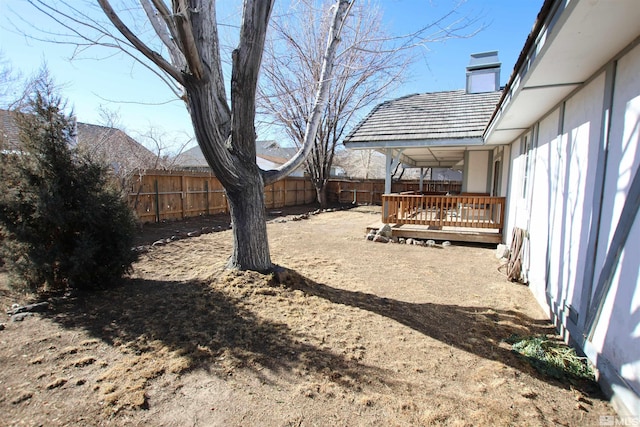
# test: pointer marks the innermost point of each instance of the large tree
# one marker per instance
(190, 58)
(370, 63)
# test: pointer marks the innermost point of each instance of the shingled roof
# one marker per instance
(105, 143)
(438, 116)
(8, 130)
(268, 150)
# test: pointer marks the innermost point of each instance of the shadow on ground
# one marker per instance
(478, 330)
(202, 327)
(180, 326)
(165, 229)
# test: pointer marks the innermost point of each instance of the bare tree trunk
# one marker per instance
(243, 181)
(226, 134)
(250, 244)
(321, 194)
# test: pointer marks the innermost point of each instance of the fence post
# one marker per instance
(183, 195)
(206, 196)
(155, 185)
(273, 195)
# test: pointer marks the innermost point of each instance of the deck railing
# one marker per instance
(444, 211)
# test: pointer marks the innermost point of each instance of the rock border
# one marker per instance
(180, 235)
(384, 235)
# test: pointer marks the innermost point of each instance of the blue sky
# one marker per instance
(144, 102)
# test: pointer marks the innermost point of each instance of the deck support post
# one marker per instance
(423, 173)
(391, 164)
(388, 166)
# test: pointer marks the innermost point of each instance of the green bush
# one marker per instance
(551, 357)
(63, 225)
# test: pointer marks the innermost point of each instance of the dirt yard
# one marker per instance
(358, 334)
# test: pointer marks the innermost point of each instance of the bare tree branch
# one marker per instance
(153, 56)
(181, 14)
(340, 14)
(164, 28)
(244, 78)
(225, 133)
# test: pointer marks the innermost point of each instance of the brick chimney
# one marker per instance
(483, 72)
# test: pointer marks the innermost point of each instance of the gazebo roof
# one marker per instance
(431, 129)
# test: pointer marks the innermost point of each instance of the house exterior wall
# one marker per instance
(517, 211)
(617, 335)
(504, 158)
(545, 197)
(568, 191)
(476, 172)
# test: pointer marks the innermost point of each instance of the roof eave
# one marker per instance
(569, 44)
(445, 142)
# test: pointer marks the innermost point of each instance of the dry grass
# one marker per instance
(358, 333)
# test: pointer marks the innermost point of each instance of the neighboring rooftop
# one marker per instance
(108, 144)
(191, 158)
(267, 150)
(8, 129)
(115, 146)
(273, 152)
(445, 117)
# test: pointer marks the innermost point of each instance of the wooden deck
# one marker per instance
(453, 234)
(466, 218)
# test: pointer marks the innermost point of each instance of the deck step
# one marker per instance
(454, 234)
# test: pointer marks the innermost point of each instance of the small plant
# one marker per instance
(552, 358)
(62, 224)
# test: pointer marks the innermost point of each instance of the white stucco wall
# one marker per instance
(558, 210)
(578, 154)
(617, 337)
(518, 202)
(506, 155)
(544, 186)
(476, 172)
(514, 189)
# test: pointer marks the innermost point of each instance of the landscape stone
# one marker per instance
(380, 239)
(20, 316)
(502, 251)
(385, 231)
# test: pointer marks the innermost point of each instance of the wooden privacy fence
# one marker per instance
(442, 211)
(371, 191)
(159, 195)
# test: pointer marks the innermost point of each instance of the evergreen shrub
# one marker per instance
(63, 225)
